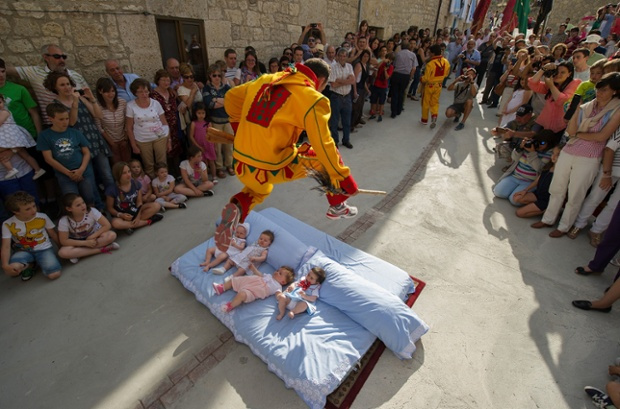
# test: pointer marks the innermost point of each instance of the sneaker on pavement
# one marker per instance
(433, 124)
(457, 119)
(208, 193)
(27, 273)
(372, 117)
(460, 126)
(347, 145)
(380, 118)
(599, 398)
(182, 206)
(342, 211)
(156, 217)
(114, 246)
(74, 260)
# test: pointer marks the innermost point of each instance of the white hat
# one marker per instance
(246, 226)
(593, 38)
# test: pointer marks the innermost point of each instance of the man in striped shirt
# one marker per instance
(55, 60)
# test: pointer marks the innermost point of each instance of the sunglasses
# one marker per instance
(216, 75)
(311, 39)
(188, 76)
(58, 56)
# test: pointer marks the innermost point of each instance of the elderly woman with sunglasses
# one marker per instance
(189, 93)
(213, 95)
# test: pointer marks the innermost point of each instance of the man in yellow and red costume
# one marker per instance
(268, 116)
(437, 68)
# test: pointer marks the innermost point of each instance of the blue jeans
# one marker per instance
(25, 183)
(508, 186)
(341, 106)
(416, 81)
(103, 173)
(46, 259)
(87, 187)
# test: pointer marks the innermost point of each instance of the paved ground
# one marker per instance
(118, 331)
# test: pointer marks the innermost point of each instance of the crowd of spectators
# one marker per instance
(134, 146)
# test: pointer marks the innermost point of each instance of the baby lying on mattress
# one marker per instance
(258, 286)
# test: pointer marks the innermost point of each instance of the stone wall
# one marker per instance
(573, 9)
(93, 31)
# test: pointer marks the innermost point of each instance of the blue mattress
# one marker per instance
(361, 299)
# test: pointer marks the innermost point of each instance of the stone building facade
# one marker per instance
(132, 31)
(574, 9)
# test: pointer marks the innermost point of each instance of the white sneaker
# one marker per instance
(218, 271)
(11, 174)
(74, 260)
(38, 174)
(342, 211)
(114, 246)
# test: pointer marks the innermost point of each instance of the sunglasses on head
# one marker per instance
(58, 56)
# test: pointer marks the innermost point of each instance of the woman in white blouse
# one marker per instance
(147, 127)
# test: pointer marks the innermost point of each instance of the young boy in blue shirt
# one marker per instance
(67, 151)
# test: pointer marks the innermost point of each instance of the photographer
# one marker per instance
(558, 86)
(470, 58)
(519, 128)
(529, 156)
(465, 90)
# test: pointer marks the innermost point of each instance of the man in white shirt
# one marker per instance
(232, 74)
(340, 81)
(580, 61)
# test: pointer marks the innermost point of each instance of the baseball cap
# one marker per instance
(524, 110)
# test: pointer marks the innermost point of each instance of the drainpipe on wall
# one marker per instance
(437, 18)
(359, 14)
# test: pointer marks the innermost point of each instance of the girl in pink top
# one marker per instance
(558, 89)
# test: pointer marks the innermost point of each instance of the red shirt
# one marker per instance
(381, 81)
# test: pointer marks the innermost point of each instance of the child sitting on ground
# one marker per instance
(31, 234)
(252, 255)
(300, 297)
(138, 175)
(237, 244)
(84, 231)
(535, 197)
(194, 173)
(163, 188)
(16, 138)
(124, 202)
(258, 286)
